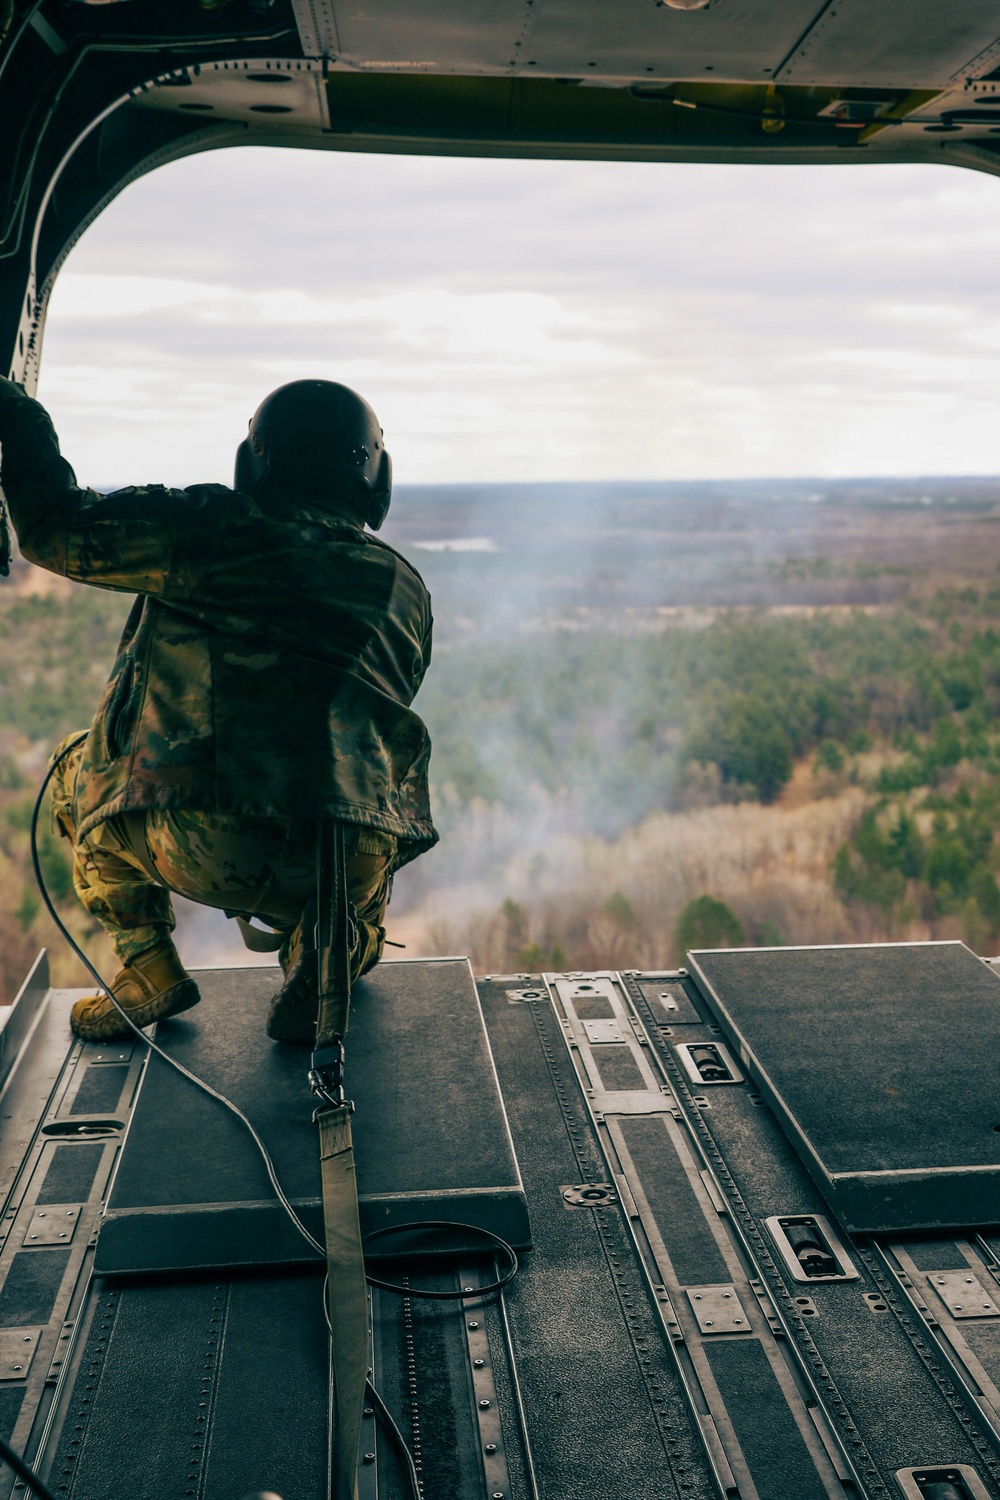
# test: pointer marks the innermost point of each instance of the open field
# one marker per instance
(548, 552)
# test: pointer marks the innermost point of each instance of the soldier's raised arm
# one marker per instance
(35, 476)
(124, 540)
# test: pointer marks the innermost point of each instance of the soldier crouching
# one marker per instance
(263, 681)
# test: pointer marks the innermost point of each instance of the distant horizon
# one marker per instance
(402, 486)
(699, 480)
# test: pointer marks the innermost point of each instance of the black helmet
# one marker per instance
(322, 439)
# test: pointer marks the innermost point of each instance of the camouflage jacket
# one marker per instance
(269, 662)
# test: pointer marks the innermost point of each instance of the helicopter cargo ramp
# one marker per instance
(754, 1203)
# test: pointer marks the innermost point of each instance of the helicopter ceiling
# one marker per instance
(917, 44)
(551, 77)
(92, 95)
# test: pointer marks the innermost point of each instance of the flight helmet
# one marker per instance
(322, 440)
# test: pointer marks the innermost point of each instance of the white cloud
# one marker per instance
(522, 320)
(119, 299)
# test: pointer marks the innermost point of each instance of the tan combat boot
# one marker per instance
(150, 988)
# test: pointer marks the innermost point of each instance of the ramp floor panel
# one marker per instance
(214, 1392)
(883, 1065)
(604, 1405)
(873, 1349)
(431, 1138)
(657, 1343)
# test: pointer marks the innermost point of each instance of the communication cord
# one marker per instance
(25, 1472)
(399, 1442)
(200, 1083)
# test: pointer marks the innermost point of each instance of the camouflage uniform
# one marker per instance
(263, 680)
(262, 867)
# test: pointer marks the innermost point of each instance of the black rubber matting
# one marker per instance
(70, 1174)
(772, 1444)
(32, 1286)
(430, 1132)
(696, 1258)
(883, 1066)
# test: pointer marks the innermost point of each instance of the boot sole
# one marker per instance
(109, 1024)
(294, 1011)
(298, 1035)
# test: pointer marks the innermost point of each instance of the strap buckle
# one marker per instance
(326, 1074)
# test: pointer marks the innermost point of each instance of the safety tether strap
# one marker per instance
(347, 1297)
(256, 939)
(332, 935)
(347, 1294)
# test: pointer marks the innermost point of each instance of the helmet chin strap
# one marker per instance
(380, 494)
(251, 469)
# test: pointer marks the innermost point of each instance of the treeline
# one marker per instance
(620, 725)
(592, 732)
(55, 652)
(903, 704)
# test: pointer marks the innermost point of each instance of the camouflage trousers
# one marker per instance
(254, 867)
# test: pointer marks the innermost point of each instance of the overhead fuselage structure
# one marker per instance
(94, 95)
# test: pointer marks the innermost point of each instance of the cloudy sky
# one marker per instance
(539, 320)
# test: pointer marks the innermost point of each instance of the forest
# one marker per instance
(890, 719)
(624, 769)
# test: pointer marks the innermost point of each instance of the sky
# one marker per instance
(520, 320)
